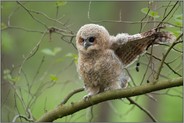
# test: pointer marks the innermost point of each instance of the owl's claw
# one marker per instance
(86, 97)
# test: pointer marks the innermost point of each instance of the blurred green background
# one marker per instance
(48, 76)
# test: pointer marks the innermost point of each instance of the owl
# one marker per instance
(102, 58)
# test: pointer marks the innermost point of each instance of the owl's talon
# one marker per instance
(86, 97)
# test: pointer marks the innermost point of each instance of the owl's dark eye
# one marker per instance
(91, 39)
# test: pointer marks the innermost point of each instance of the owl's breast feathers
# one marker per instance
(99, 69)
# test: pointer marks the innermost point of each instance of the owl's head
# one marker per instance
(91, 37)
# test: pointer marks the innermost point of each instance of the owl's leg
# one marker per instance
(91, 91)
(124, 83)
(113, 86)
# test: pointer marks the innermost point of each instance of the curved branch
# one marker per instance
(22, 116)
(71, 94)
(64, 110)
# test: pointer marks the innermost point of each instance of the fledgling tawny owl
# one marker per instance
(102, 57)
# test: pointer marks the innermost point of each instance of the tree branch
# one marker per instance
(71, 94)
(143, 109)
(64, 110)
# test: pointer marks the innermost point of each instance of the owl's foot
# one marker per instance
(91, 91)
(87, 97)
(124, 85)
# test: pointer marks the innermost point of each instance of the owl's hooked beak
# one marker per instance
(88, 42)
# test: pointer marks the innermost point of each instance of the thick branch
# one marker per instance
(64, 110)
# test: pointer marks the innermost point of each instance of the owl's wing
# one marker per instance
(129, 47)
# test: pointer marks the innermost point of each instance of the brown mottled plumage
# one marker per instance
(102, 57)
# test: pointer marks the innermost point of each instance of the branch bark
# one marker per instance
(64, 110)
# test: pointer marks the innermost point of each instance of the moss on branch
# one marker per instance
(64, 110)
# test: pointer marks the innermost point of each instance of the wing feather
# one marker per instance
(129, 50)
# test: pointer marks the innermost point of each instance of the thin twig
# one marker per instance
(127, 22)
(166, 8)
(168, 14)
(173, 13)
(22, 116)
(22, 28)
(151, 97)
(142, 20)
(143, 109)
(164, 57)
(32, 52)
(147, 66)
(28, 11)
(176, 50)
(71, 94)
(167, 94)
(16, 107)
(91, 114)
(38, 71)
(165, 64)
(130, 77)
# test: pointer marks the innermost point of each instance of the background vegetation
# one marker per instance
(39, 58)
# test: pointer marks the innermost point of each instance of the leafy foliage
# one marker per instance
(61, 3)
(53, 77)
(73, 56)
(150, 12)
(178, 19)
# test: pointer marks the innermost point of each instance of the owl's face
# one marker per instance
(92, 37)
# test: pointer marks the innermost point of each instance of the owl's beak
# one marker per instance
(86, 43)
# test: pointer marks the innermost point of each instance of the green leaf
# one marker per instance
(179, 47)
(145, 10)
(154, 14)
(177, 33)
(56, 50)
(150, 12)
(178, 20)
(15, 79)
(60, 3)
(178, 17)
(53, 77)
(69, 55)
(7, 76)
(178, 23)
(50, 52)
(73, 56)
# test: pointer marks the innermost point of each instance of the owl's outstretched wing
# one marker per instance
(128, 47)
